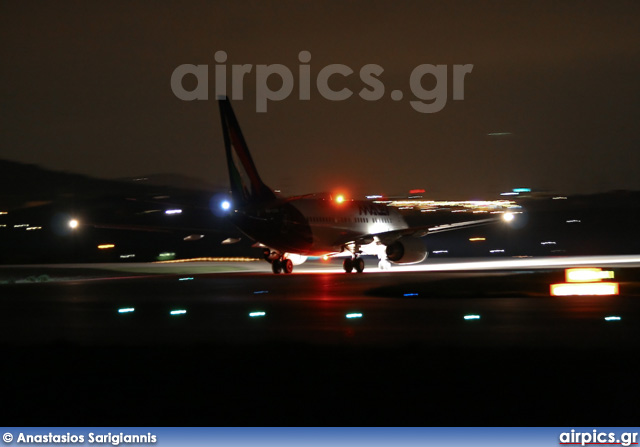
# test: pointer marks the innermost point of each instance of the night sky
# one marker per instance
(85, 87)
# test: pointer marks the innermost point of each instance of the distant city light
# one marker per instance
(472, 317)
(127, 256)
(189, 278)
(173, 211)
(499, 134)
(416, 191)
(105, 246)
(374, 197)
(559, 198)
(126, 310)
(257, 314)
(508, 217)
(354, 315)
(612, 318)
(178, 312)
(519, 190)
(437, 252)
(574, 221)
(477, 239)
(548, 243)
(225, 205)
(496, 251)
(509, 194)
(260, 292)
(73, 224)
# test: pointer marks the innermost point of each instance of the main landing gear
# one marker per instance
(282, 265)
(356, 263)
(278, 262)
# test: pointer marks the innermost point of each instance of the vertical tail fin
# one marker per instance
(246, 185)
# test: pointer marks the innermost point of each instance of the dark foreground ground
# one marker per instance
(69, 357)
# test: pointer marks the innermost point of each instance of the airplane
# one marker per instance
(291, 229)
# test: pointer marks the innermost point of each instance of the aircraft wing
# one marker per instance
(388, 237)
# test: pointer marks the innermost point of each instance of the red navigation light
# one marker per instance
(416, 191)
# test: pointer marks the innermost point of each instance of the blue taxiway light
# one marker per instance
(225, 205)
(354, 315)
(410, 294)
(613, 318)
(186, 279)
(126, 310)
(178, 312)
(258, 292)
(472, 317)
(257, 314)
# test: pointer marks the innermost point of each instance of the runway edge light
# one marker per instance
(585, 281)
(589, 288)
(587, 274)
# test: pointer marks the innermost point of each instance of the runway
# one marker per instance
(334, 348)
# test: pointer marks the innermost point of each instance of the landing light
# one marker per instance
(508, 217)
(225, 205)
(73, 224)
(340, 198)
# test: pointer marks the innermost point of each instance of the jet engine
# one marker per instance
(407, 250)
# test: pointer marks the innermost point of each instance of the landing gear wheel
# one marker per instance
(358, 264)
(287, 266)
(384, 264)
(347, 265)
(276, 266)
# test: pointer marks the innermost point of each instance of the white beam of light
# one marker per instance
(178, 312)
(126, 310)
(613, 318)
(257, 314)
(472, 317)
(354, 315)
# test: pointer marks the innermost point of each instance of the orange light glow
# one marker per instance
(340, 198)
(476, 239)
(598, 288)
(105, 246)
(325, 258)
(587, 274)
(416, 191)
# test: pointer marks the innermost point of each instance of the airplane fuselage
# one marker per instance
(316, 226)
